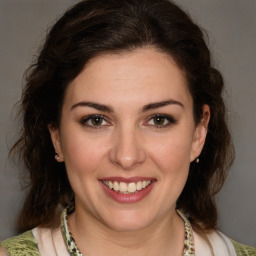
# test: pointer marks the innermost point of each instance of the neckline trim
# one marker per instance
(189, 248)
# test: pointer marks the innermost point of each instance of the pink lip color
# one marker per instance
(127, 180)
(127, 198)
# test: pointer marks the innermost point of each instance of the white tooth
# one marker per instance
(116, 186)
(144, 184)
(131, 187)
(123, 187)
(139, 185)
(148, 182)
(110, 184)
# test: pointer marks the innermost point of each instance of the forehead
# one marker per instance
(141, 75)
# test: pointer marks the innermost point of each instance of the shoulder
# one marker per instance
(24, 244)
(243, 250)
(221, 245)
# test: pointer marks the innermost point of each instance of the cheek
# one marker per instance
(172, 153)
(171, 158)
(82, 154)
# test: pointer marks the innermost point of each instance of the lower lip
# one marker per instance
(128, 198)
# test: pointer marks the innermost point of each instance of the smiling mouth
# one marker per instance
(127, 188)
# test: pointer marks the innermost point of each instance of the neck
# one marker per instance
(163, 237)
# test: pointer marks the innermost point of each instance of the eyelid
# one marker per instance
(84, 121)
(171, 120)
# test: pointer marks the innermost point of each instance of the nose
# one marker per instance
(127, 151)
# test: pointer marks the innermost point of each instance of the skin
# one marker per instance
(129, 143)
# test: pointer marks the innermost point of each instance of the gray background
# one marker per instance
(231, 25)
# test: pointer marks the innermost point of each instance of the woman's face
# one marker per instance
(127, 137)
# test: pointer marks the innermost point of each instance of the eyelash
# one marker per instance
(85, 121)
(167, 118)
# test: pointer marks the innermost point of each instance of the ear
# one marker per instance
(55, 136)
(200, 134)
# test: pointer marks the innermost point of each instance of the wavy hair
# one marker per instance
(89, 29)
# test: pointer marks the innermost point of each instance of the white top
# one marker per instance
(221, 245)
(50, 242)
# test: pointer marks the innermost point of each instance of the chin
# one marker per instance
(127, 226)
(126, 222)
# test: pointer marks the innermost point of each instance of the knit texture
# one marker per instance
(24, 244)
(243, 250)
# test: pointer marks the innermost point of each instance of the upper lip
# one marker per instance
(127, 180)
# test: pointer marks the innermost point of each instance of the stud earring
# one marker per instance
(57, 157)
(197, 160)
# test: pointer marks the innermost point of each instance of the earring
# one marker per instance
(57, 157)
(197, 160)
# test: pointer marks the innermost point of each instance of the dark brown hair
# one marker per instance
(94, 27)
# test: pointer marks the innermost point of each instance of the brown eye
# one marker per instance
(159, 120)
(96, 121)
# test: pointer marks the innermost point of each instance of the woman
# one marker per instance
(124, 129)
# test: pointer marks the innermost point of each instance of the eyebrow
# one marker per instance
(105, 108)
(101, 107)
(161, 104)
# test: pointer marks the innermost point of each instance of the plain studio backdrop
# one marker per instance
(231, 26)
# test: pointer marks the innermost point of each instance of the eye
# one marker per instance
(94, 121)
(161, 120)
